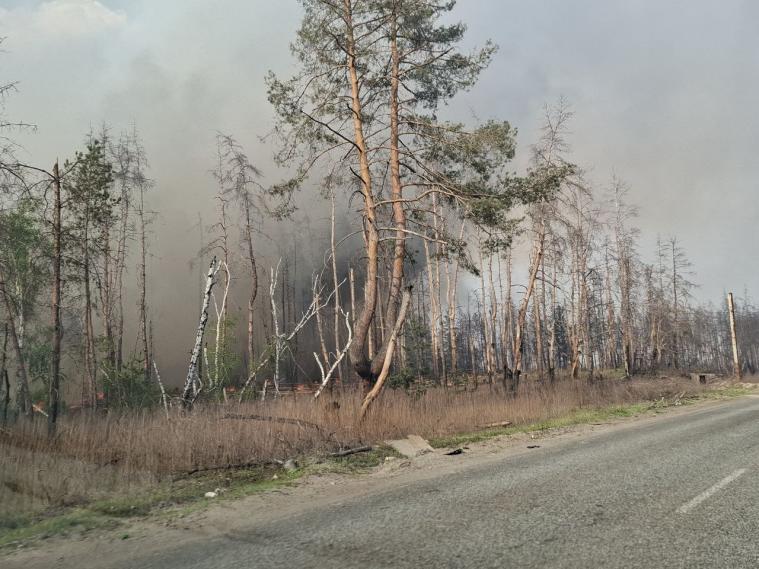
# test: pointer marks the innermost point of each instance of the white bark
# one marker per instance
(164, 398)
(340, 356)
(191, 391)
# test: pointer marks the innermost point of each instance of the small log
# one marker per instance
(256, 463)
(350, 451)
(494, 425)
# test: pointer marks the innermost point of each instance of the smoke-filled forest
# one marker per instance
(443, 285)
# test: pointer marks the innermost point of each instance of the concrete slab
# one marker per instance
(412, 446)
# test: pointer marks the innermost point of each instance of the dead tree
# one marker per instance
(23, 400)
(54, 396)
(192, 386)
(734, 337)
(4, 381)
(142, 186)
(535, 264)
(339, 356)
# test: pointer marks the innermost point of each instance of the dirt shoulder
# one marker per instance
(320, 486)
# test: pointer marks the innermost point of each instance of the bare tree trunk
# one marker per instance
(4, 375)
(119, 280)
(253, 285)
(396, 193)
(320, 327)
(452, 285)
(438, 289)
(676, 312)
(57, 329)
(191, 387)
(106, 297)
(552, 337)
(273, 277)
(336, 284)
(611, 321)
(23, 401)
(377, 389)
(143, 290)
(361, 363)
(509, 315)
(485, 320)
(433, 309)
(89, 332)
(339, 356)
(734, 337)
(538, 330)
(221, 323)
(493, 316)
(522, 315)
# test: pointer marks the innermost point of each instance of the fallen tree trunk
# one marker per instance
(180, 475)
(350, 451)
(494, 425)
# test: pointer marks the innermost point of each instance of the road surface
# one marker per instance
(677, 491)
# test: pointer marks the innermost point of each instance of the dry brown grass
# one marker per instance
(98, 454)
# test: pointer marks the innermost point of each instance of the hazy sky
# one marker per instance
(664, 94)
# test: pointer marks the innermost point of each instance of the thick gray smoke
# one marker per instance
(662, 94)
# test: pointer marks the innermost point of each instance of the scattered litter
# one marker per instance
(389, 458)
(455, 452)
(212, 494)
(533, 446)
(275, 477)
(290, 465)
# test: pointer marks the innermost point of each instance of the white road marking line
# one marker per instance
(706, 494)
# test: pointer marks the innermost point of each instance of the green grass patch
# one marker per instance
(34, 528)
(171, 498)
(356, 463)
(723, 393)
(587, 416)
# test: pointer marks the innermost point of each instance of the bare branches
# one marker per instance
(326, 376)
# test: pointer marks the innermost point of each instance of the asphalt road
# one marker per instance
(680, 491)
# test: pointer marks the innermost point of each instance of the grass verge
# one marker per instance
(588, 416)
(173, 499)
(181, 497)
